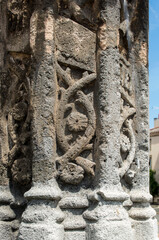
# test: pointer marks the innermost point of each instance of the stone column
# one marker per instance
(42, 218)
(6, 213)
(109, 219)
(142, 214)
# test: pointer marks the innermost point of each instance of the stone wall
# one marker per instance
(74, 120)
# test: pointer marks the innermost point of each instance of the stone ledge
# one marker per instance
(45, 191)
(74, 202)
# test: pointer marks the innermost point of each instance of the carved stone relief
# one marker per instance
(76, 121)
(128, 111)
(19, 13)
(72, 120)
(15, 123)
(81, 11)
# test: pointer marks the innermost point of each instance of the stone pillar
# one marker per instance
(111, 219)
(42, 218)
(141, 213)
(7, 215)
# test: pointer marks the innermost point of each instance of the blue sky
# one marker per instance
(154, 59)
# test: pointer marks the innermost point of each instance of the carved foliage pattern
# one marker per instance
(19, 12)
(127, 137)
(16, 145)
(75, 126)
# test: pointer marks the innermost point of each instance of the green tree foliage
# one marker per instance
(154, 186)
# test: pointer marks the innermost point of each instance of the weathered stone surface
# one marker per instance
(74, 202)
(78, 235)
(6, 214)
(76, 45)
(74, 223)
(74, 120)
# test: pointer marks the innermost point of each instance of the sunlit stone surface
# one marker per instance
(74, 120)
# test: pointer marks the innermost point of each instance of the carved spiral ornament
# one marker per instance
(127, 136)
(16, 125)
(81, 128)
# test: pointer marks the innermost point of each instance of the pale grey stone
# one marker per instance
(74, 222)
(74, 202)
(78, 235)
(6, 213)
(6, 231)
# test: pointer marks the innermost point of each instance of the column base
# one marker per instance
(109, 230)
(73, 206)
(42, 218)
(41, 231)
(145, 230)
(109, 220)
(142, 216)
(7, 215)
